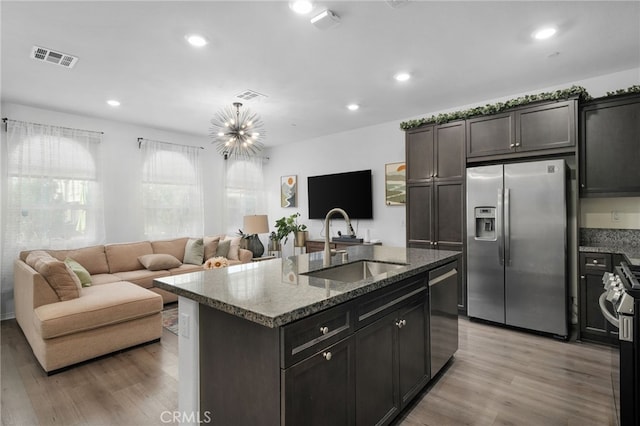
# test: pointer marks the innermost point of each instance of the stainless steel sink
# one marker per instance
(355, 271)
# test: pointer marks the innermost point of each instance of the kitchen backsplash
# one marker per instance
(610, 237)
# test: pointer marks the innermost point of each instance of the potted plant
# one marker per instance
(289, 225)
(274, 242)
(299, 230)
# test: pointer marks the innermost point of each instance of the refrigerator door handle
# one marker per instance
(499, 217)
(507, 228)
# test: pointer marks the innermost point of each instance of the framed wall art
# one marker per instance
(395, 186)
(289, 191)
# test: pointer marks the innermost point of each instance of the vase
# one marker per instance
(274, 247)
(301, 238)
(254, 245)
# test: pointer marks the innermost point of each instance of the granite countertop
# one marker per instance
(618, 241)
(275, 292)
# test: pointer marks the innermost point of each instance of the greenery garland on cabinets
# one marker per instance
(632, 89)
(488, 109)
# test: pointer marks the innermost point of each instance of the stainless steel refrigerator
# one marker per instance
(517, 245)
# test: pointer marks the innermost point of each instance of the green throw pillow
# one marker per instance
(223, 248)
(83, 275)
(194, 251)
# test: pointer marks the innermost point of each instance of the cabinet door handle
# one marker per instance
(401, 323)
(435, 243)
(582, 277)
(512, 145)
(435, 174)
(517, 143)
(327, 356)
(324, 330)
(595, 261)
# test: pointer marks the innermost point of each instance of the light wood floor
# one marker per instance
(498, 377)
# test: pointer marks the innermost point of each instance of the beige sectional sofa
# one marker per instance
(109, 303)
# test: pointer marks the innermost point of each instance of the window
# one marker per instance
(244, 191)
(172, 193)
(52, 193)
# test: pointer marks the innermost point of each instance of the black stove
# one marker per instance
(622, 291)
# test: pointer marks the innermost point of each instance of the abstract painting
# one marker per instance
(288, 191)
(395, 184)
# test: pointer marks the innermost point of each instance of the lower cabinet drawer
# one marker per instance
(592, 262)
(381, 302)
(307, 336)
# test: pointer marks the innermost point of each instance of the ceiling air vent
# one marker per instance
(251, 95)
(53, 57)
(396, 3)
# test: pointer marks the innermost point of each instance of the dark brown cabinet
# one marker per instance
(435, 186)
(522, 132)
(435, 152)
(610, 147)
(593, 326)
(320, 389)
(392, 362)
(435, 215)
(419, 154)
(435, 157)
(359, 362)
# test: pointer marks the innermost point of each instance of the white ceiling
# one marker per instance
(458, 52)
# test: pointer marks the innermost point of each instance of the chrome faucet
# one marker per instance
(327, 251)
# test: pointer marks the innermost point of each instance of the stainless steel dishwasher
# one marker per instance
(443, 311)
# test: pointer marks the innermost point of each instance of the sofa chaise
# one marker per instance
(75, 305)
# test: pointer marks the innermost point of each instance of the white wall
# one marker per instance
(372, 147)
(610, 213)
(366, 148)
(122, 168)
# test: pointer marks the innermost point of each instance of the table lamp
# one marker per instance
(254, 225)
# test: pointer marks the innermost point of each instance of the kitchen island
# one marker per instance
(286, 342)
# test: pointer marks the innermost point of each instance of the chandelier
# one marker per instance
(237, 133)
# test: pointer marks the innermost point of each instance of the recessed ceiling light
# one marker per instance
(402, 76)
(301, 7)
(113, 102)
(196, 40)
(353, 107)
(544, 33)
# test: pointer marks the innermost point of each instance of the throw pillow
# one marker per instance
(194, 251)
(159, 261)
(57, 273)
(210, 247)
(223, 248)
(83, 275)
(233, 248)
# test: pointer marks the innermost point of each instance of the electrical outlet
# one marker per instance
(615, 216)
(183, 324)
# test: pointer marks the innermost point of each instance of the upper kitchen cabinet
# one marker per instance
(522, 132)
(610, 147)
(449, 151)
(419, 154)
(435, 152)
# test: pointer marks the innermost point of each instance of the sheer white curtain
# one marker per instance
(244, 191)
(172, 190)
(51, 193)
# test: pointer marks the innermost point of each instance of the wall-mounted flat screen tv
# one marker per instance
(351, 191)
